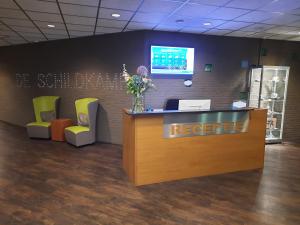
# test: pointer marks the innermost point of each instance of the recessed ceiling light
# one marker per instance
(116, 15)
(179, 21)
(51, 25)
(207, 24)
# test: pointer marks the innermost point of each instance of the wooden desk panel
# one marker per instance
(150, 158)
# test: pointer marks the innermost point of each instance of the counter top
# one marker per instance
(129, 112)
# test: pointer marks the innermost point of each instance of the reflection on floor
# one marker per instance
(44, 182)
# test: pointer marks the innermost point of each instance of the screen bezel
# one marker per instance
(173, 75)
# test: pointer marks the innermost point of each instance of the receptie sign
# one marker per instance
(207, 123)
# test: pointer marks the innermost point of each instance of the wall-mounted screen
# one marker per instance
(173, 61)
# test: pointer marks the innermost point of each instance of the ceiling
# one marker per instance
(26, 21)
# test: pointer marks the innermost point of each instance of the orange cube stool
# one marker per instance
(58, 127)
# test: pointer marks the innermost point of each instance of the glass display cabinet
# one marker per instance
(268, 87)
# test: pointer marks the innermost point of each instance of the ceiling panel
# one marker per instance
(107, 14)
(80, 20)
(121, 4)
(15, 40)
(282, 19)
(164, 27)
(212, 2)
(281, 5)
(140, 26)
(8, 4)
(44, 24)
(45, 17)
(77, 10)
(164, 6)
(196, 10)
(282, 30)
(18, 22)
(3, 43)
(227, 13)
(255, 16)
(111, 23)
(25, 29)
(258, 27)
(107, 30)
(81, 2)
(148, 17)
(239, 33)
(76, 27)
(241, 18)
(217, 32)
(12, 13)
(39, 6)
(197, 30)
(295, 39)
(248, 4)
(232, 25)
(76, 33)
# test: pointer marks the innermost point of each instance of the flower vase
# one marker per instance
(138, 104)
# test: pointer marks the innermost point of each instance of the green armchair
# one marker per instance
(85, 132)
(45, 110)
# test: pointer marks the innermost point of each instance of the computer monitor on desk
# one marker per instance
(191, 105)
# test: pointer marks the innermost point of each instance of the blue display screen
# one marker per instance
(172, 60)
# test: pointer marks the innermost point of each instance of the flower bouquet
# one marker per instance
(137, 85)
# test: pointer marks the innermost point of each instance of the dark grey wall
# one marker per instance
(105, 54)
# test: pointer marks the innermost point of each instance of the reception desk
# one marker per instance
(172, 145)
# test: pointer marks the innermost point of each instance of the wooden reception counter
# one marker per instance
(172, 145)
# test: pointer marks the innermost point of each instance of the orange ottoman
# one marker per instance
(58, 127)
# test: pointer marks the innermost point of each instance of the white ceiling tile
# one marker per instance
(106, 14)
(44, 24)
(16, 40)
(76, 27)
(3, 43)
(45, 17)
(164, 6)
(281, 37)
(32, 35)
(284, 19)
(163, 27)
(111, 23)
(77, 10)
(227, 13)
(196, 10)
(281, 5)
(76, 33)
(196, 30)
(25, 29)
(295, 39)
(232, 25)
(35, 39)
(8, 4)
(217, 32)
(121, 4)
(80, 20)
(239, 33)
(39, 6)
(107, 30)
(212, 2)
(248, 4)
(148, 17)
(295, 24)
(54, 31)
(81, 2)
(258, 27)
(261, 35)
(255, 16)
(3, 27)
(18, 22)
(8, 33)
(56, 36)
(12, 13)
(140, 26)
(281, 30)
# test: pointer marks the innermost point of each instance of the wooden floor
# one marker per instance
(44, 182)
